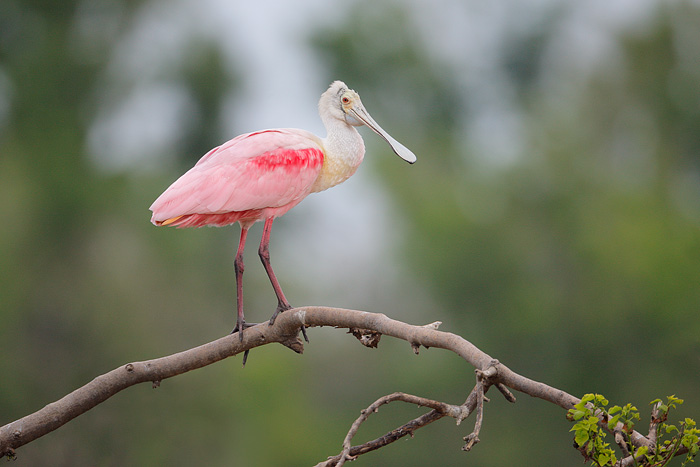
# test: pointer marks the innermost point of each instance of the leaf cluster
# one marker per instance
(593, 421)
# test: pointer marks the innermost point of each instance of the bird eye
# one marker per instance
(345, 100)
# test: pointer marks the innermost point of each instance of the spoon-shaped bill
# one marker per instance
(402, 151)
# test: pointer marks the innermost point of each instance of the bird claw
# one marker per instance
(240, 334)
(281, 308)
(245, 326)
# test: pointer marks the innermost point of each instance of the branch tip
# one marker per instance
(471, 440)
(506, 392)
(479, 390)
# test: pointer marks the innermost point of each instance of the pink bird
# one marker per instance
(260, 176)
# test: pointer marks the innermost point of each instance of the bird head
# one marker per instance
(345, 104)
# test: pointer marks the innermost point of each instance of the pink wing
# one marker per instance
(243, 178)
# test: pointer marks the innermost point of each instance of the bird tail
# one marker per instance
(167, 221)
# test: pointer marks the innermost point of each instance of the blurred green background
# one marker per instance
(552, 218)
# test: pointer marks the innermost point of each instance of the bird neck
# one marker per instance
(344, 151)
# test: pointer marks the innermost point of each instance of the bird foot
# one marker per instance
(241, 328)
(281, 308)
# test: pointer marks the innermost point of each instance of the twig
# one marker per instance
(443, 409)
(506, 393)
(629, 459)
(473, 437)
(390, 437)
(406, 429)
(621, 442)
(654, 424)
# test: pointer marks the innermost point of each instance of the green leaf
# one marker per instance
(613, 422)
(585, 399)
(581, 405)
(601, 400)
(581, 437)
(592, 423)
(674, 400)
(642, 450)
(688, 441)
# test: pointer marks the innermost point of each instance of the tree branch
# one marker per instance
(440, 409)
(57, 414)
(285, 331)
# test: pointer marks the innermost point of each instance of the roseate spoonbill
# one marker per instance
(260, 176)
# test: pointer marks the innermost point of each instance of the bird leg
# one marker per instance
(264, 252)
(238, 267)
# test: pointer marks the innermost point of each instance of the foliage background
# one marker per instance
(552, 218)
